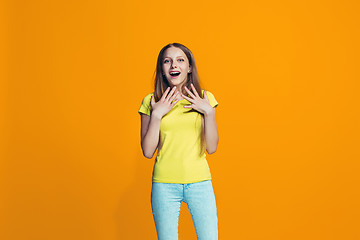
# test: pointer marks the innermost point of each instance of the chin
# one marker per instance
(177, 83)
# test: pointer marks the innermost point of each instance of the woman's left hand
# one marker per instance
(199, 104)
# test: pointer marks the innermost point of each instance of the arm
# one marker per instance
(150, 133)
(150, 125)
(211, 132)
(210, 127)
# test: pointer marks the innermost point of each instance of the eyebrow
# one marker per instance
(176, 57)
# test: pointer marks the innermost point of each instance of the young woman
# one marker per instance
(179, 120)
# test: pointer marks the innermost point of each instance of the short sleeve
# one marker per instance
(145, 107)
(211, 98)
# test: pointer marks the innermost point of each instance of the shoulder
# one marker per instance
(147, 97)
(211, 97)
(208, 93)
(145, 107)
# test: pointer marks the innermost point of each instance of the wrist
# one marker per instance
(210, 112)
(156, 115)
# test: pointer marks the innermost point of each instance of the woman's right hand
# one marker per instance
(165, 103)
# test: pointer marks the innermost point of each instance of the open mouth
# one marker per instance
(174, 74)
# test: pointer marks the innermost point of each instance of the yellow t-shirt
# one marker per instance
(179, 158)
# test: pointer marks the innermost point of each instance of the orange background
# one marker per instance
(285, 74)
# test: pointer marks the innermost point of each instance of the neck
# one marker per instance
(180, 87)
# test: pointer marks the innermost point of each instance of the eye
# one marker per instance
(180, 60)
(166, 61)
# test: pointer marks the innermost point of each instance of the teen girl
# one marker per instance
(179, 120)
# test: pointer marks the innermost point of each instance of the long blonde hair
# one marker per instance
(161, 83)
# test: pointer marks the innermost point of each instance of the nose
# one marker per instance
(173, 65)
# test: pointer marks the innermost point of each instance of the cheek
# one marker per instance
(185, 66)
(165, 69)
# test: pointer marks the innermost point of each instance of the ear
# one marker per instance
(189, 69)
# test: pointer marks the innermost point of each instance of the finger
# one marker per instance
(174, 103)
(165, 93)
(192, 106)
(174, 96)
(152, 100)
(194, 90)
(187, 98)
(205, 96)
(168, 97)
(189, 92)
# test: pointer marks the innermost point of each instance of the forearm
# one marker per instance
(211, 132)
(151, 139)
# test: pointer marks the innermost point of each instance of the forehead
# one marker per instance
(174, 52)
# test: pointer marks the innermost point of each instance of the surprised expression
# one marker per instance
(175, 66)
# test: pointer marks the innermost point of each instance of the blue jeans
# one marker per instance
(166, 200)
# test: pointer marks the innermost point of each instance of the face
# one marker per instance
(175, 66)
